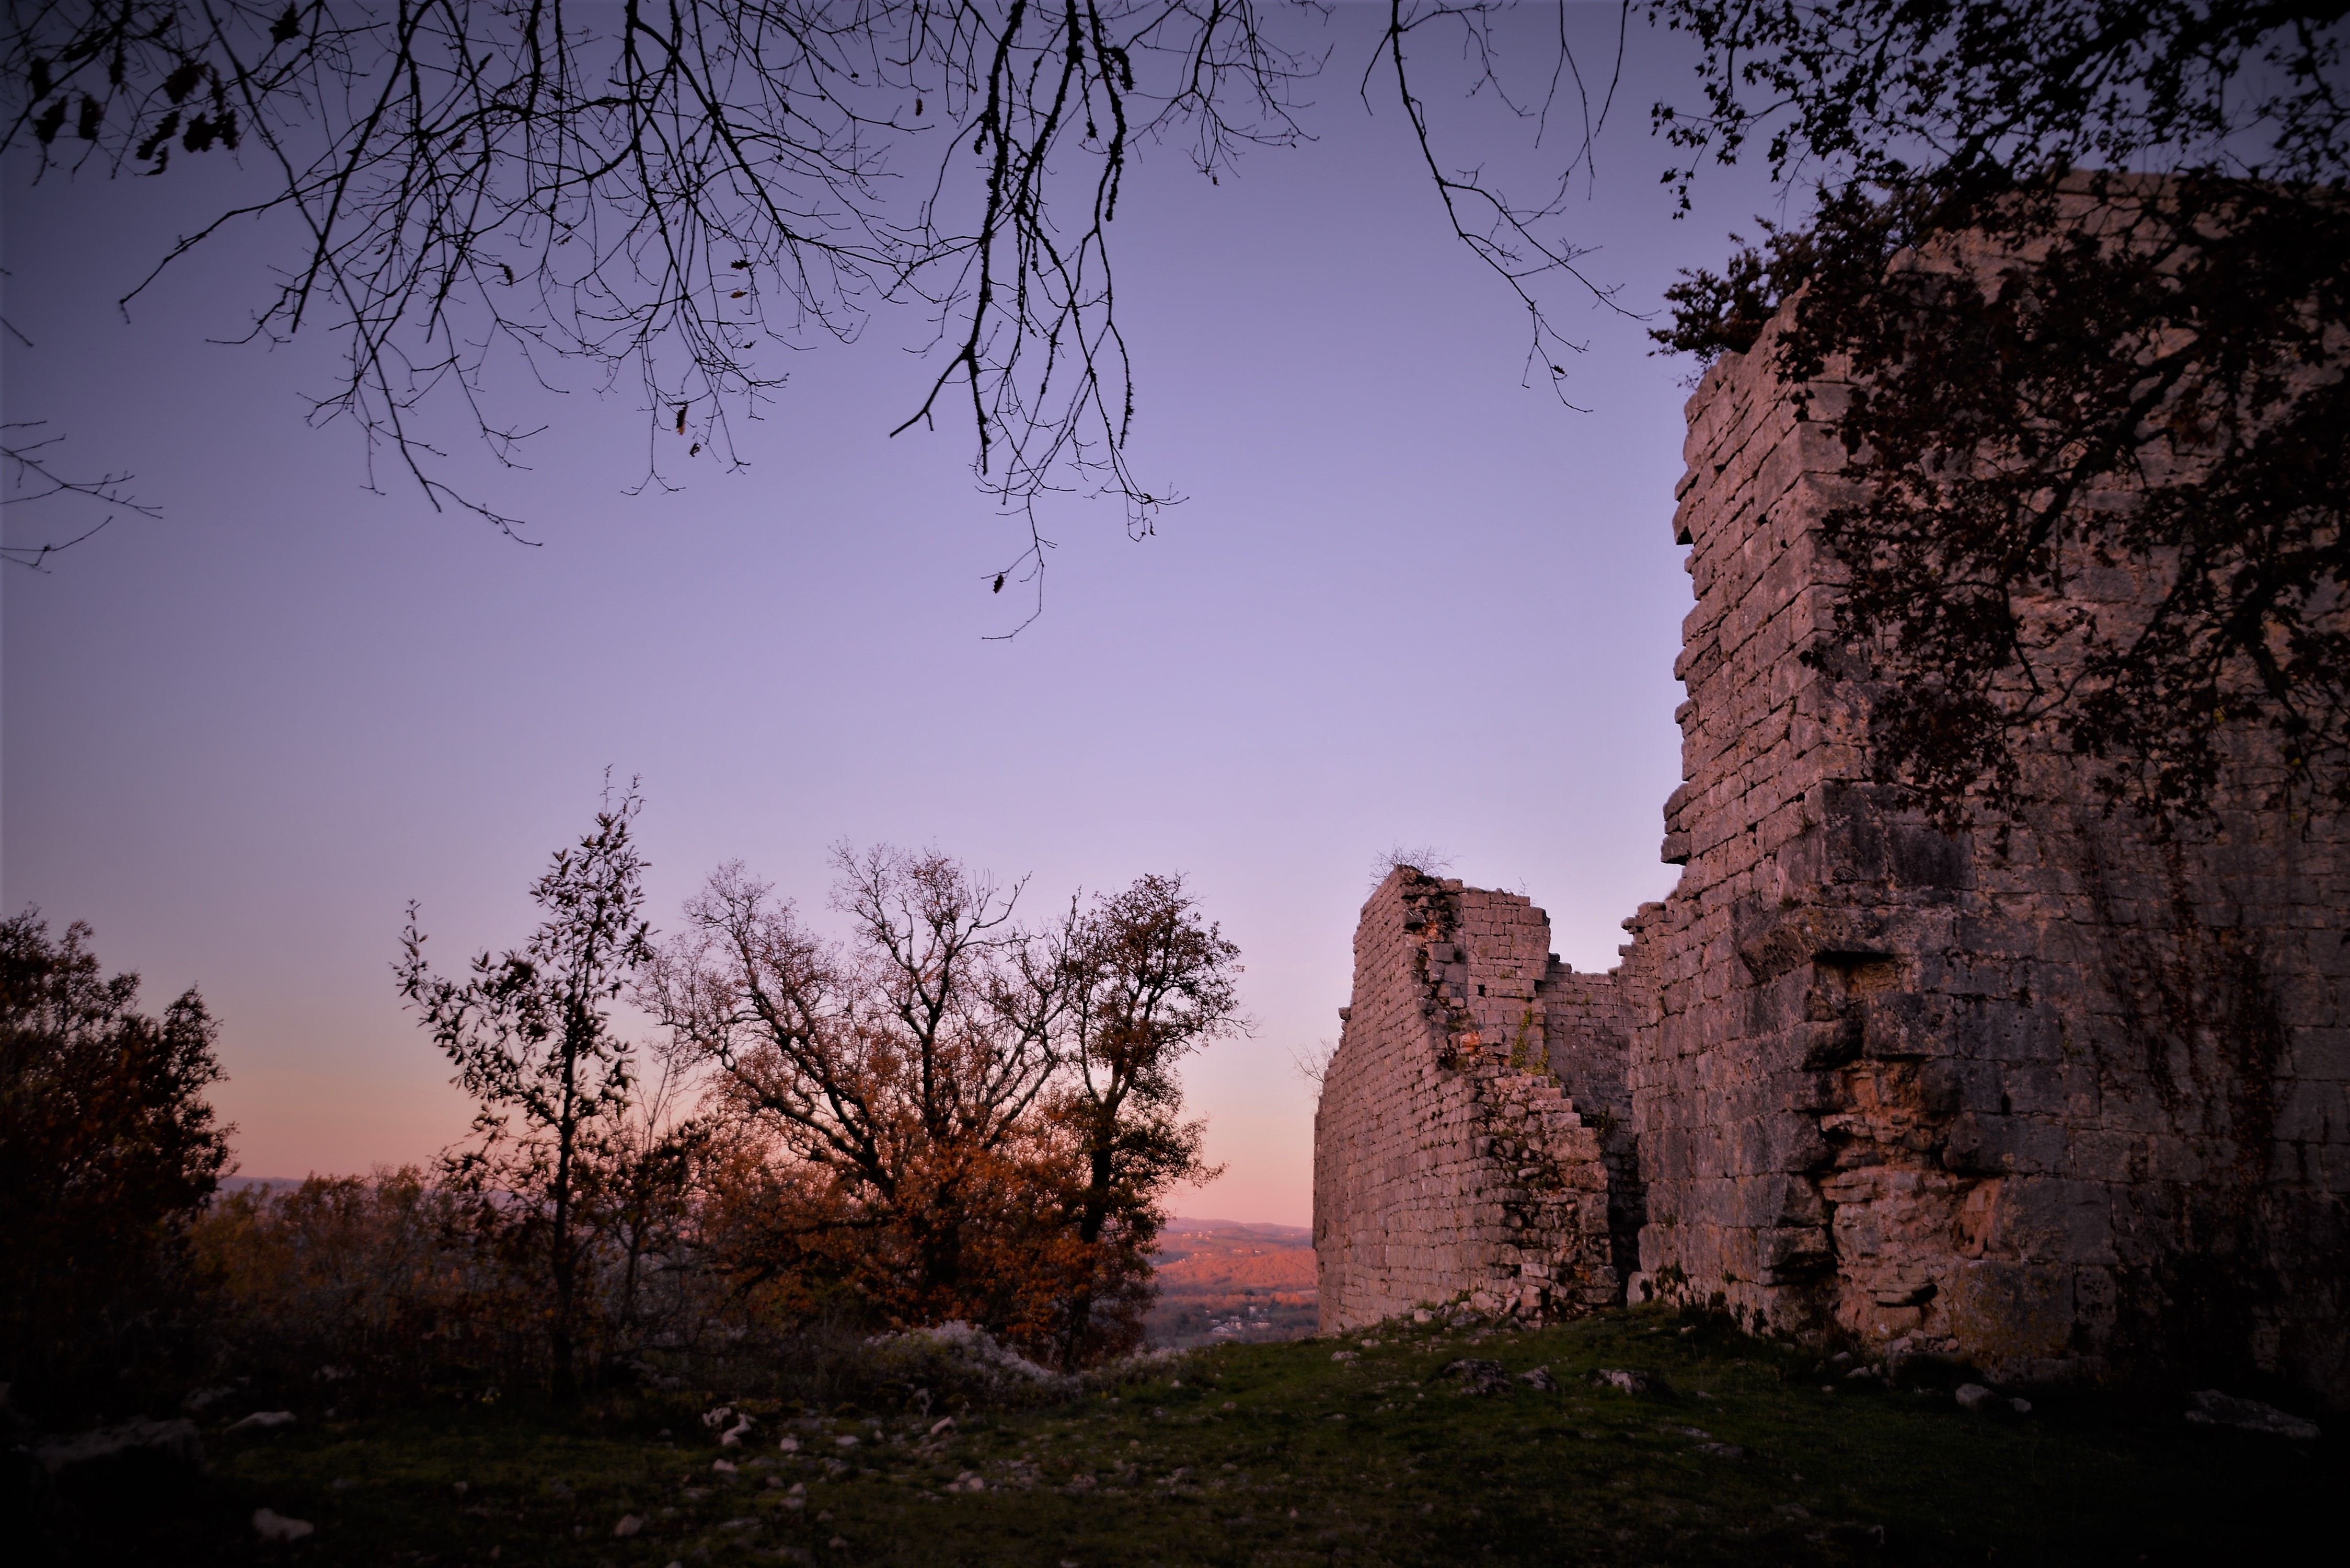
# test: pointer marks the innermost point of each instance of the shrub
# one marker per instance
(107, 1152)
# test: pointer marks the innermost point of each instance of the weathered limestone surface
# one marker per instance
(1449, 1163)
(2059, 1097)
(2066, 1098)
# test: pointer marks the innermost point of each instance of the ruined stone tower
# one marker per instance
(2066, 1099)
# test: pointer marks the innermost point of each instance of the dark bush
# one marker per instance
(107, 1153)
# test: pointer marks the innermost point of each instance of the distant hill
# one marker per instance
(1221, 1279)
(270, 1186)
(1301, 1233)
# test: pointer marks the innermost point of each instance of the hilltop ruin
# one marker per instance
(2064, 1097)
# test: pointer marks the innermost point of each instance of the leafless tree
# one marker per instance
(1518, 238)
(30, 478)
(673, 195)
(1312, 1062)
(637, 1198)
(1422, 858)
(894, 1067)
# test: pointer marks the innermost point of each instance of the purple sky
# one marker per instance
(1409, 600)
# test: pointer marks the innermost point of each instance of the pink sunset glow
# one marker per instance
(1409, 598)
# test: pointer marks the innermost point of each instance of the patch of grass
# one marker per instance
(1277, 1454)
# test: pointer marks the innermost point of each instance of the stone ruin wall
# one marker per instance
(1449, 1162)
(2063, 1100)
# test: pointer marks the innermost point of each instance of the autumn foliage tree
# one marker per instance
(945, 1114)
(893, 1072)
(964, 1120)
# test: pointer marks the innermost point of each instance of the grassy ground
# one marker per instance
(1278, 1454)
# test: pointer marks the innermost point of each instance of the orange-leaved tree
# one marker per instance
(892, 1073)
(963, 1119)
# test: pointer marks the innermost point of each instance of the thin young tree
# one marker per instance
(532, 1035)
(1135, 983)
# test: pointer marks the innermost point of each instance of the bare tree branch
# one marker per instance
(669, 195)
(32, 480)
(1500, 231)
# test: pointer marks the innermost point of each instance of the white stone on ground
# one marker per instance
(274, 1526)
(264, 1421)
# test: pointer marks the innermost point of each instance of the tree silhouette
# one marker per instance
(531, 1033)
(1138, 982)
(673, 194)
(669, 194)
(109, 1150)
